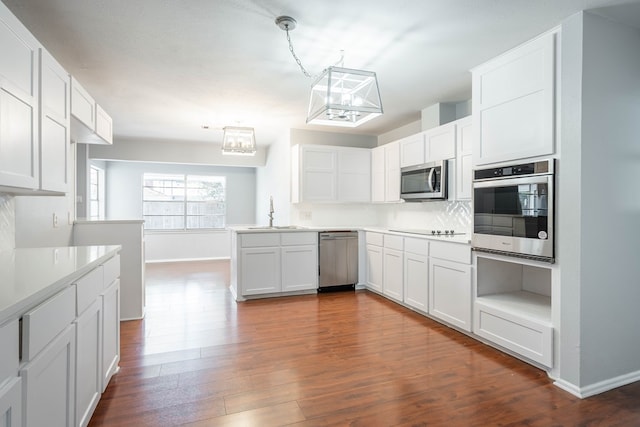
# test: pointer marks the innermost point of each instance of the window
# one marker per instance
(183, 202)
(96, 193)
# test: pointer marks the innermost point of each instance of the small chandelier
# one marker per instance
(239, 141)
(339, 96)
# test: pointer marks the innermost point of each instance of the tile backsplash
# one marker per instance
(7, 222)
(429, 216)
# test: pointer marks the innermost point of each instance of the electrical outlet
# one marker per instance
(305, 215)
(55, 220)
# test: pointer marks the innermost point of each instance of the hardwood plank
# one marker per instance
(349, 358)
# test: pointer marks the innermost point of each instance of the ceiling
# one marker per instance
(164, 68)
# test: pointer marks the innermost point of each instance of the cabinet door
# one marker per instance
(377, 174)
(83, 106)
(319, 174)
(54, 124)
(464, 160)
(49, 383)
(299, 268)
(416, 281)
(374, 268)
(392, 166)
(260, 270)
(11, 403)
(440, 143)
(18, 104)
(104, 125)
(513, 103)
(88, 358)
(392, 283)
(354, 175)
(110, 333)
(450, 292)
(412, 150)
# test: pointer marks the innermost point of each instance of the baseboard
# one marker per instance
(158, 261)
(599, 387)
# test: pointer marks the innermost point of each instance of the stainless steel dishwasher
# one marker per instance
(338, 266)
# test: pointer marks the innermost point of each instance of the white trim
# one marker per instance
(599, 387)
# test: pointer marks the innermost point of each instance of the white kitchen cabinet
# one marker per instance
(323, 174)
(110, 300)
(385, 173)
(11, 403)
(416, 273)
(260, 270)
(374, 242)
(392, 269)
(378, 173)
(412, 150)
(514, 103)
(463, 170)
(49, 383)
(512, 306)
(19, 94)
(277, 262)
(54, 125)
(392, 169)
(440, 143)
(450, 286)
(90, 124)
(299, 252)
(88, 362)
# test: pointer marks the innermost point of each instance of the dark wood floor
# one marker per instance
(198, 358)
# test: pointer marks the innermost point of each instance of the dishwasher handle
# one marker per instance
(340, 235)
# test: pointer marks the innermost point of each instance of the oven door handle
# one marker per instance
(506, 182)
(432, 171)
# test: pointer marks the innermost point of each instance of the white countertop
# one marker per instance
(458, 238)
(30, 275)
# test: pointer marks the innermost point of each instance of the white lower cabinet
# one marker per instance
(392, 269)
(277, 262)
(49, 383)
(450, 286)
(11, 403)
(416, 273)
(260, 270)
(374, 261)
(110, 300)
(88, 360)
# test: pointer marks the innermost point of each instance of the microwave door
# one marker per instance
(430, 182)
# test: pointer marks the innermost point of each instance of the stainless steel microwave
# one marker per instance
(427, 181)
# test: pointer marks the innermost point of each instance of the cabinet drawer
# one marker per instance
(393, 242)
(524, 336)
(9, 350)
(43, 323)
(416, 246)
(451, 252)
(252, 240)
(297, 238)
(374, 238)
(88, 287)
(111, 270)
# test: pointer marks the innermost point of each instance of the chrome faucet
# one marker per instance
(271, 211)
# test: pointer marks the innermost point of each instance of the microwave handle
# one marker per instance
(432, 171)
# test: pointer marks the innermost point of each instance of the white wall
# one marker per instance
(274, 179)
(599, 212)
(124, 201)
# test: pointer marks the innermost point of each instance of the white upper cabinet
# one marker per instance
(377, 174)
(392, 172)
(429, 146)
(463, 171)
(513, 103)
(330, 174)
(90, 124)
(412, 150)
(19, 159)
(54, 125)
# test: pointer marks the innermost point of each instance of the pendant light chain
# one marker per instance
(304, 70)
